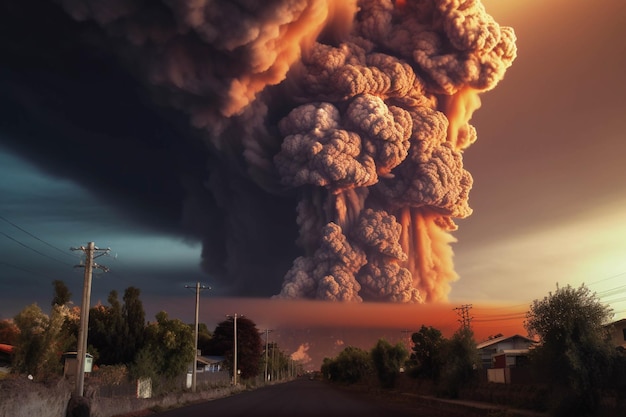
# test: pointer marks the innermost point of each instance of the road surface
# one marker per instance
(305, 398)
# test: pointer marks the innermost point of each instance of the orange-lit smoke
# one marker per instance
(362, 116)
(382, 134)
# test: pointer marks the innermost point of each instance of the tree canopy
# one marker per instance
(428, 344)
(38, 345)
(62, 294)
(388, 360)
(350, 366)
(575, 351)
(249, 345)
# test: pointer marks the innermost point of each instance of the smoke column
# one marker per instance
(360, 110)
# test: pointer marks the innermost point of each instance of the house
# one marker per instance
(209, 363)
(515, 344)
(504, 358)
(617, 330)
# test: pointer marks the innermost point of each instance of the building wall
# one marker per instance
(618, 333)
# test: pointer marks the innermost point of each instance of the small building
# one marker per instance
(70, 363)
(617, 330)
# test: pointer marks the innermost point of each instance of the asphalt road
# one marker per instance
(302, 397)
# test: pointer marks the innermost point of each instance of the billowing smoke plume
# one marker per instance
(360, 110)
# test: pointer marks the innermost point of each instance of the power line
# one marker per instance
(35, 237)
(33, 249)
(23, 269)
(608, 278)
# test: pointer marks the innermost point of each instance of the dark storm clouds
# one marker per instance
(66, 105)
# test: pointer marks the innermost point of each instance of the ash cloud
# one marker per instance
(315, 147)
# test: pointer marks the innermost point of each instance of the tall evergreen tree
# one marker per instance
(62, 294)
(135, 322)
(107, 330)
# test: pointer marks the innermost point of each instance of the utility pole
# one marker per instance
(267, 331)
(274, 373)
(194, 371)
(91, 253)
(234, 347)
(463, 313)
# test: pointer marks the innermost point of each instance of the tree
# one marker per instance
(38, 347)
(388, 360)
(575, 352)
(249, 345)
(428, 343)
(134, 318)
(461, 359)
(8, 332)
(168, 349)
(62, 294)
(106, 332)
(350, 366)
(204, 337)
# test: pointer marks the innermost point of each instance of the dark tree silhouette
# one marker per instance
(575, 352)
(62, 294)
(249, 345)
(135, 322)
(428, 343)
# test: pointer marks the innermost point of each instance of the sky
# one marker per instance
(91, 150)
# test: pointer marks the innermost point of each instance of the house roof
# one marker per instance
(208, 360)
(6, 348)
(501, 339)
(617, 323)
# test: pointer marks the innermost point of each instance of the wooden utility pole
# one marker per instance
(235, 346)
(267, 331)
(194, 370)
(81, 350)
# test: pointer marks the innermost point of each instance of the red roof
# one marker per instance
(6, 348)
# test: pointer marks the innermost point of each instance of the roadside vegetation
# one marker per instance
(575, 369)
(127, 347)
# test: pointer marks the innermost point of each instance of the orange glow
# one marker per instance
(300, 315)
(430, 254)
(459, 109)
(400, 4)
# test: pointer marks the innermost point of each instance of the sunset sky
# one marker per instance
(548, 198)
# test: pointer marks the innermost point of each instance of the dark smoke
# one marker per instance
(254, 125)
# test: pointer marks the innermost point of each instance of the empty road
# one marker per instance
(303, 398)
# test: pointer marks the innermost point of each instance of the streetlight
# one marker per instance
(234, 347)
